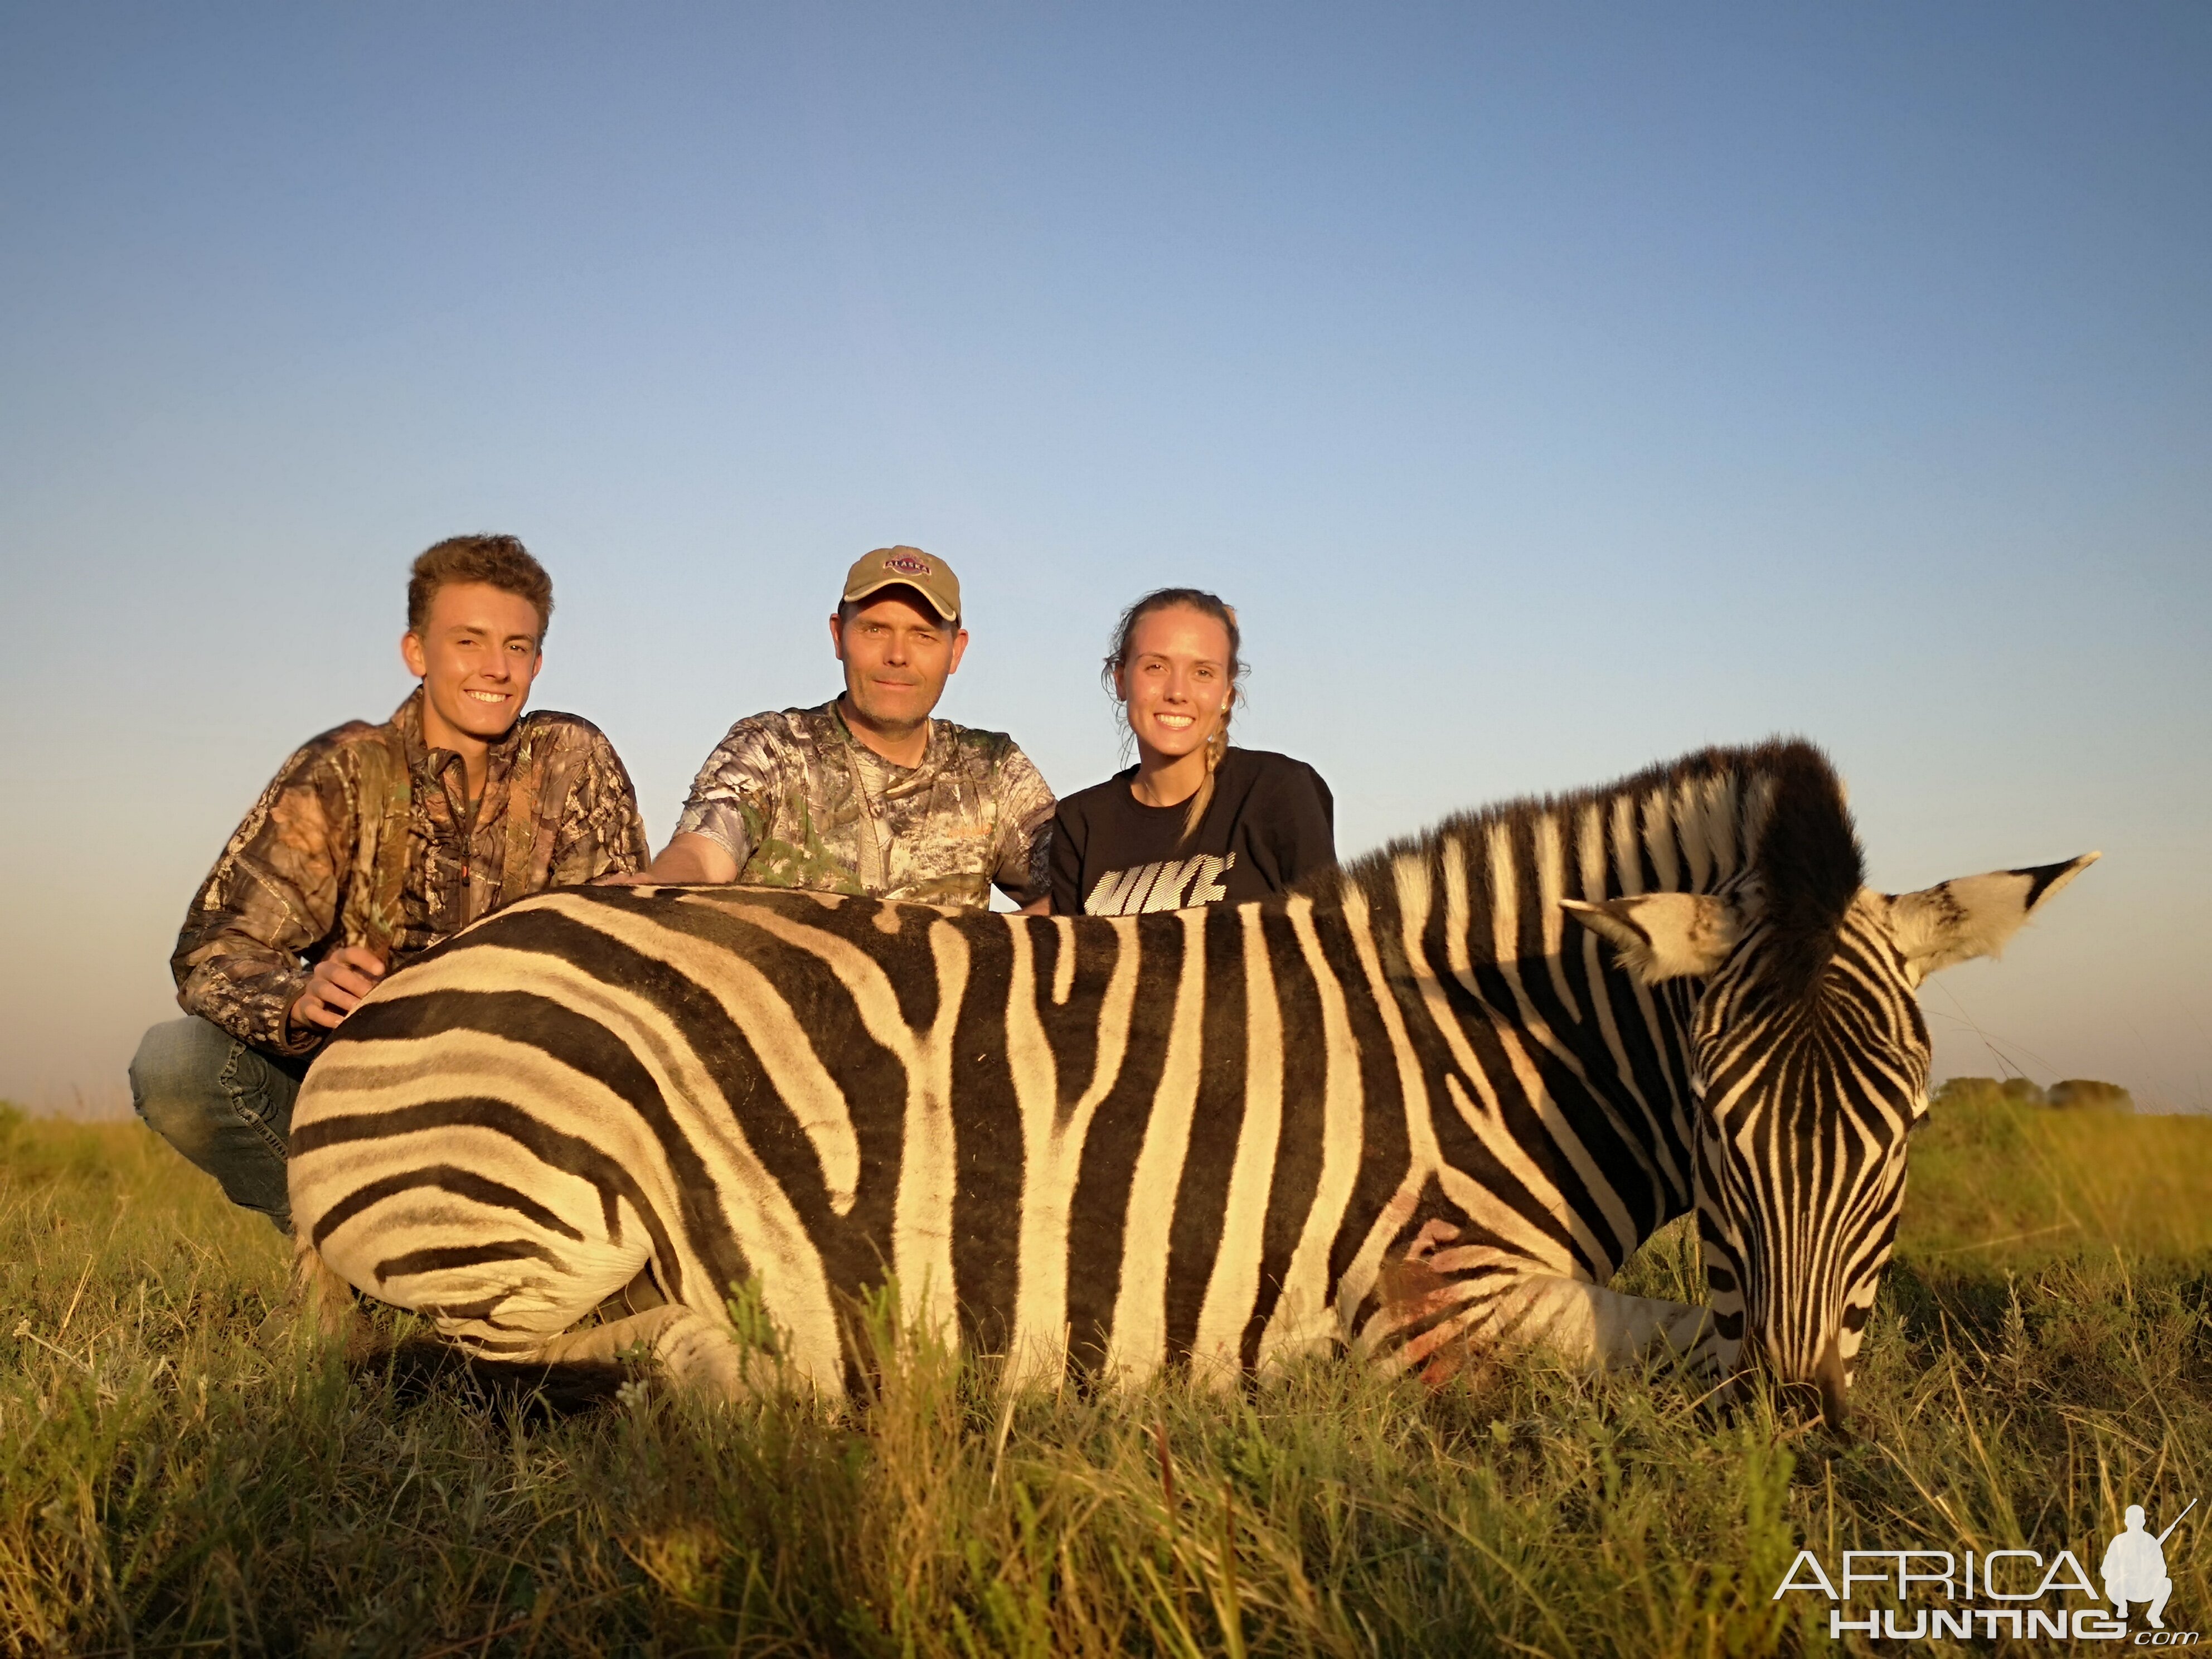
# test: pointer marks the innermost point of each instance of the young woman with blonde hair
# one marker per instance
(1193, 822)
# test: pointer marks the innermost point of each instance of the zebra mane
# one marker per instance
(1783, 797)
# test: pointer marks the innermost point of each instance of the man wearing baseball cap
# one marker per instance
(867, 793)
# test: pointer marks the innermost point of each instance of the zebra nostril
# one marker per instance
(1823, 1388)
(1797, 1398)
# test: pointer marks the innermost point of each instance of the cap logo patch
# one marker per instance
(909, 567)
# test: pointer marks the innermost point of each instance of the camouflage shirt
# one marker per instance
(799, 802)
(365, 836)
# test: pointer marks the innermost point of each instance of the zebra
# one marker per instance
(1407, 1111)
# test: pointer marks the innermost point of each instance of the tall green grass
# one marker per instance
(2004, 1183)
(168, 1483)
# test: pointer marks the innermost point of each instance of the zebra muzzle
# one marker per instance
(1834, 1386)
(1826, 1386)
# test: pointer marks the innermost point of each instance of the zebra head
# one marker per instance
(1810, 1061)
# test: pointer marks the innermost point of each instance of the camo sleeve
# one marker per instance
(1024, 871)
(601, 833)
(733, 798)
(271, 898)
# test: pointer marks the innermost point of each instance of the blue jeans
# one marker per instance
(224, 1104)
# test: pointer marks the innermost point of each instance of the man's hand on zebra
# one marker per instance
(690, 859)
(335, 990)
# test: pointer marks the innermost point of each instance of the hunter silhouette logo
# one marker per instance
(2002, 1592)
(2135, 1566)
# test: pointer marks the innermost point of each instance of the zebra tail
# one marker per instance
(323, 1304)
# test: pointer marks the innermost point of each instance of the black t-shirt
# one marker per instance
(1271, 821)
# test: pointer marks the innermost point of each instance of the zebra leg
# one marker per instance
(1589, 1323)
(635, 1298)
(699, 1354)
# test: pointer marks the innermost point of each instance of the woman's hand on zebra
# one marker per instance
(340, 981)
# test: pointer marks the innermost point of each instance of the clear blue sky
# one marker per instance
(1553, 388)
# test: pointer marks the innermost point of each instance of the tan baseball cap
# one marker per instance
(905, 567)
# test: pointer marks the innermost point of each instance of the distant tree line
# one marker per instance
(2074, 1094)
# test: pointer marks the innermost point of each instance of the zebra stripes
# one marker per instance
(1410, 1110)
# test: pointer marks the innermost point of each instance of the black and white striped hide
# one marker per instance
(1410, 1110)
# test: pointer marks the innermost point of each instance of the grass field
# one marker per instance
(2041, 1359)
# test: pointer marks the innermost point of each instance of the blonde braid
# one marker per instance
(1217, 745)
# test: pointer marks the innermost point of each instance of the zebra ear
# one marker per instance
(1664, 935)
(1973, 916)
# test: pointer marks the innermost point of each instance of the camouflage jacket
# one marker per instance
(366, 837)
(799, 802)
